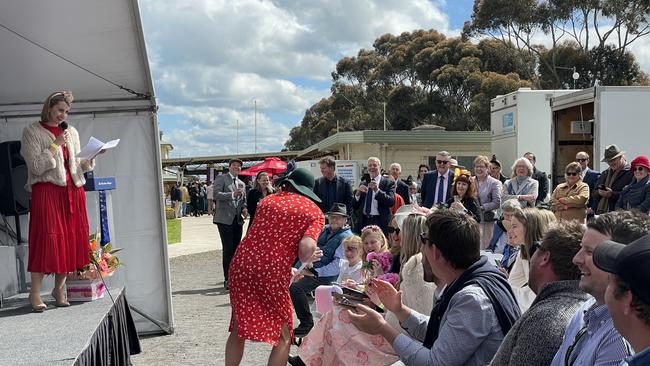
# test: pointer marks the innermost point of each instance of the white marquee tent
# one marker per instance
(96, 49)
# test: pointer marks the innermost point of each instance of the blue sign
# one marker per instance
(508, 121)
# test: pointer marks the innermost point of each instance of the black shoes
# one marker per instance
(295, 361)
(302, 330)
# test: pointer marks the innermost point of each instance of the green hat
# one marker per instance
(303, 181)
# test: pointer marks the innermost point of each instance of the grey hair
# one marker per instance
(510, 205)
(375, 159)
(443, 153)
(398, 165)
(524, 161)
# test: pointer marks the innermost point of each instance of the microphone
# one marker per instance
(64, 126)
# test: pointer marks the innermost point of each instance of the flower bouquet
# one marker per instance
(384, 259)
(103, 261)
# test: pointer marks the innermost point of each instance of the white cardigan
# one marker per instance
(42, 166)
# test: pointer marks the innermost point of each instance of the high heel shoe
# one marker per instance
(36, 308)
(60, 302)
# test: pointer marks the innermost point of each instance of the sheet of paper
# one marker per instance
(94, 146)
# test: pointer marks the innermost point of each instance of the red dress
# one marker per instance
(58, 224)
(260, 271)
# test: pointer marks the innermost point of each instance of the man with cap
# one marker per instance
(590, 177)
(590, 337)
(230, 209)
(612, 180)
(324, 271)
(628, 292)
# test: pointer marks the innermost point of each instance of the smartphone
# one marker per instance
(602, 187)
(354, 293)
(344, 301)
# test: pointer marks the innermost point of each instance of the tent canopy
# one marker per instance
(272, 166)
(96, 49)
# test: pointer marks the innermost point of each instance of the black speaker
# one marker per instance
(14, 199)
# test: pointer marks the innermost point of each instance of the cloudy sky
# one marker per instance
(212, 59)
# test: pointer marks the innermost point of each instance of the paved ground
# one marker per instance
(201, 306)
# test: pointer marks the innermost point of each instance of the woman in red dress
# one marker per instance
(286, 226)
(58, 225)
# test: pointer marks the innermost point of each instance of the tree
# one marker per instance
(602, 27)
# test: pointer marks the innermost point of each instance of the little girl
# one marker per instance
(350, 267)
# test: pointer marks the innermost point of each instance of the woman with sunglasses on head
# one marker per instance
(58, 224)
(464, 196)
(636, 195)
(569, 199)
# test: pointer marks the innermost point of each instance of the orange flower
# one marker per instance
(93, 245)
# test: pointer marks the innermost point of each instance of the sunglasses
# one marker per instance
(639, 169)
(393, 230)
(581, 160)
(571, 174)
(533, 248)
(424, 238)
(442, 162)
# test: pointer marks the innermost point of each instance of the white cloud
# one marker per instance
(211, 58)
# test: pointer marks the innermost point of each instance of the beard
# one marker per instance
(428, 273)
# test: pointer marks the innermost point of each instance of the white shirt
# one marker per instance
(374, 208)
(444, 187)
(350, 273)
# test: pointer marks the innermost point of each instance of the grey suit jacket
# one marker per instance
(226, 208)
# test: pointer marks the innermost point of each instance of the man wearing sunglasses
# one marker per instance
(436, 185)
(473, 313)
(590, 337)
(554, 279)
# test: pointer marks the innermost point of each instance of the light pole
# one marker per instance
(575, 74)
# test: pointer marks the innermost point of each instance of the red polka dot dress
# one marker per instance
(260, 271)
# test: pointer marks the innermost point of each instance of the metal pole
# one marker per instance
(384, 116)
(237, 139)
(256, 126)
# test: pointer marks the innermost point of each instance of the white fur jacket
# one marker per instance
(43, 166)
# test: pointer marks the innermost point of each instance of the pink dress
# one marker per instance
(334, 340)
(260, 271)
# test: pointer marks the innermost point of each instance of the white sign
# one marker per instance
(348, 169)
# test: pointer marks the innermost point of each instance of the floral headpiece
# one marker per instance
(371, 228)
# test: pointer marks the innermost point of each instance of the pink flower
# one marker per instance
(103, 266)
(362, 357)
(391, 278)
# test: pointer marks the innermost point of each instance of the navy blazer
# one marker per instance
(343, 193)
(385, 197)
(428, 189)
(402, 189)
(591, 178)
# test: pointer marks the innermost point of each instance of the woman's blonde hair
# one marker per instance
(482, 159)
(54, 99)
(353, 241)
(414, 225)
(374, 231)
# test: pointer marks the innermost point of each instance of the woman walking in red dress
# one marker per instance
(286, 226)
(58, 225)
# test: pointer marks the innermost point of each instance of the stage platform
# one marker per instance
(86, 333)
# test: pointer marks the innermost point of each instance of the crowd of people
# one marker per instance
(456, 267)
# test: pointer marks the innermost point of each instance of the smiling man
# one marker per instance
(590, 337)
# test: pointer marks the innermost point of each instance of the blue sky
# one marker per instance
(211, 60)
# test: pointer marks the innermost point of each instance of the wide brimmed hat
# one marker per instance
(640, 160)
(612, 152)
(338, 209)
(629, 262)
(303, 181)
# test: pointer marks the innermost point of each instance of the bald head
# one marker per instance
(583, 158)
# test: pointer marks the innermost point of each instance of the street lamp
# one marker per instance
(575, 74)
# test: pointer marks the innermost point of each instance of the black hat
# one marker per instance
(630, 262)
(303, 181)
(612, 152)
(338, 209)
(235, 160)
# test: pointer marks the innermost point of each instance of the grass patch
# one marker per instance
(173, 231)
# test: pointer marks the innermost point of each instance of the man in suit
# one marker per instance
(332, 188)
(590, 177)
(375, 197)
(401, 187)
(540, 177)
(436, 185)
(230, 209)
